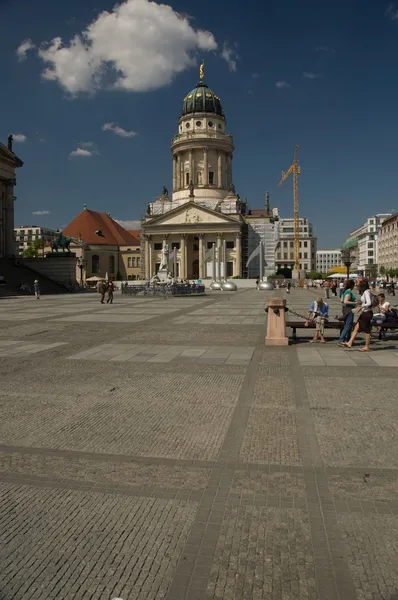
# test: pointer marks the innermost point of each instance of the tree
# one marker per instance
(30, 252)
(285, 272)
(119, 276)
(371, 270)
(382, 270)
(316, 275)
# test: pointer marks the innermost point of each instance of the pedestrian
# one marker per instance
(349, 302)
(288, 286)
(319, 312)
(257, 282)
(110, 290)
(364, 323)
(334, 288)
(342, 288)
(326, 285)
(102, 290)
(36, 289)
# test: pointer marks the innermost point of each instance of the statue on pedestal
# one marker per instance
(191, 189)
(164, 261)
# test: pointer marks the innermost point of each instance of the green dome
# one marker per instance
(202, 99)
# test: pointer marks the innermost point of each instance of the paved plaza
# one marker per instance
(156, 449)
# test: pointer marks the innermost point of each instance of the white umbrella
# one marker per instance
(95, 278)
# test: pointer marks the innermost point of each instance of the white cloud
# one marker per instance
(282, 84)
(41, 212)
(19, 137)
(23, 49)
(230, 56)
(81, 152)
(129, 225)
(311, 75)
(138, 46)
(392, 11)
(118, 130)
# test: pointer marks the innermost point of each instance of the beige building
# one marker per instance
(285, 248)
(204, 208)
(388, 243)
(9, 162)
(103, 247)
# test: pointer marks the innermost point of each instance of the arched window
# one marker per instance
(95, 264)
(111, 264)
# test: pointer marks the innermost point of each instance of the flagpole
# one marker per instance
(214, 262)
(261, 262)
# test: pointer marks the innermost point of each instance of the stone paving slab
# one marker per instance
(167, 353)
(137, 541)
(275, 475)
(18, 349)
(105, 318)
(311, 356)
(215, 320)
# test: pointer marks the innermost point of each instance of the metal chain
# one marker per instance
(293, 312)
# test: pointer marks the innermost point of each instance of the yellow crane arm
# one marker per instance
(286, 175)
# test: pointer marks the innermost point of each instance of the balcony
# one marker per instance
(202, 135)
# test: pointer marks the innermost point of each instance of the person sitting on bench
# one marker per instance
(319, 312)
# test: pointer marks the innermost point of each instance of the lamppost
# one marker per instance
(81, 263)
(347, 259)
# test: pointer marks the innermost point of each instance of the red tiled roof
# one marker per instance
(88, 222)
(136, 233)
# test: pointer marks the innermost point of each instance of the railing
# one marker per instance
(205, 135)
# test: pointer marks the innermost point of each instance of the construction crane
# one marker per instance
(294, 170)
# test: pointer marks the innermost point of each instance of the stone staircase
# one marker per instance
(15, 274)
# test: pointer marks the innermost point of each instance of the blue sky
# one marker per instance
(316, 73)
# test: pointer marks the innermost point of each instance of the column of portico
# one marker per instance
(219, 170)
(178, 175)
(238, 249)
(205, 167)
(219, 256)
(201, 256)
(174, 173)
(147, 257)
(183, 259)
(191, 167)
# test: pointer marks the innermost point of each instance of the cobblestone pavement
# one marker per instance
(156, 449)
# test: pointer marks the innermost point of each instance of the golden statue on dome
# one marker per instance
(202, 70)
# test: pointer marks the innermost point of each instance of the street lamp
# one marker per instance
(347, 259)
(81, 263)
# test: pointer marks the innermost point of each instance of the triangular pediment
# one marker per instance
(192, 214)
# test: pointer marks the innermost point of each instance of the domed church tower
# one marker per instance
(202, 150)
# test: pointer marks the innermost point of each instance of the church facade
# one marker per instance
(9, 162)
(203, 208)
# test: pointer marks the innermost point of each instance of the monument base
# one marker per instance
(296, 275)
(163, 276)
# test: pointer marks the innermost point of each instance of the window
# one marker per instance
(187, 125)
(285, 256)
(195, 247)
(175, 245)
(95, 264)
(230, 244)
(138, 261)
(306, 267)
(211, 124)
(300, 255)
(370, 252)
(370, 244)
(129, 277)
(230, 269)
(209, 245)
(157, 246)
(305, 244)
(198, 123)
(129, 262)
(29, 232)
(111, 264)
(305, 254)
(211, 177)
(186, 178)
(285, 244)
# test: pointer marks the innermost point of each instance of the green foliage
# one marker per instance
(316, 275)
(286, 273)
(30, 252)
(119, 276)
(372, 271)
(382, 270)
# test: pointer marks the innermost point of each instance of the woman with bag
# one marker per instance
(364, 322)
(349, 302)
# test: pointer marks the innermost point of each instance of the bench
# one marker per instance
(311, 325)
(384, 326)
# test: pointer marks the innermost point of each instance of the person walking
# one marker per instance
(102, 290)
(110, 290)
(349, 303)
(334, 288)
(342, 288)
(319, 312)
(288, 286)
(36, 289)
(326, 285)
(364, 323)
